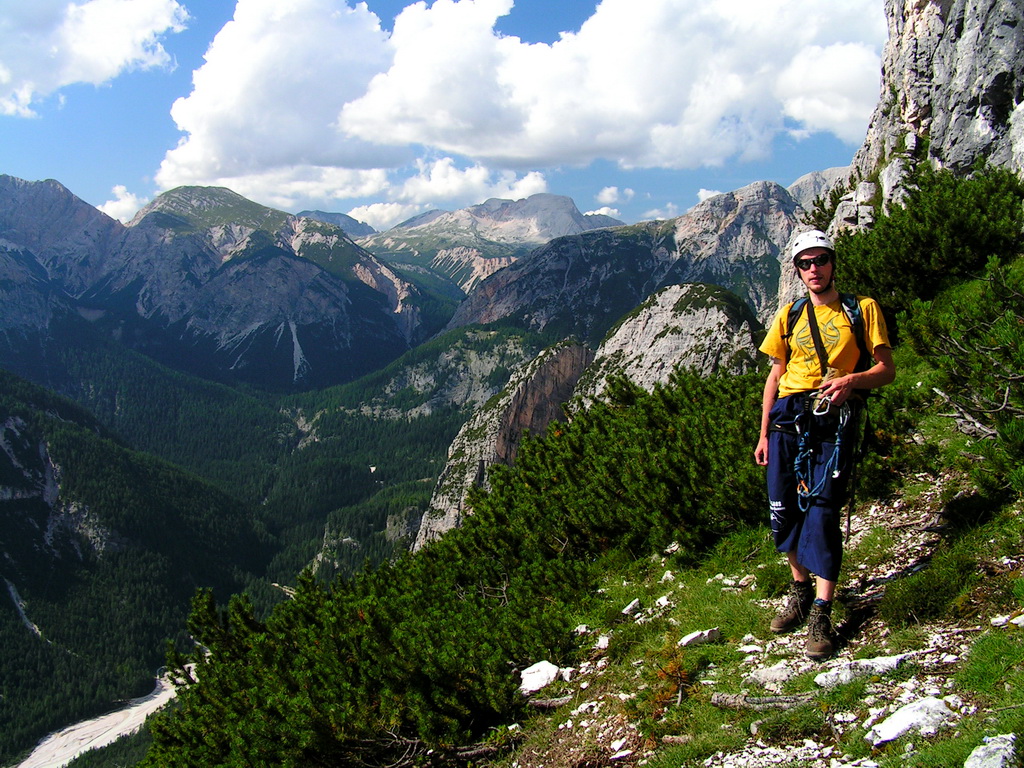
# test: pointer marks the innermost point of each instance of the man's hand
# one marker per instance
(761, 452)
(838, 390)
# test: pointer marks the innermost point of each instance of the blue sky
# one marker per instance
(385, 109)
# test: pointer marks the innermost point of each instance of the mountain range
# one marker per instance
(305, 382)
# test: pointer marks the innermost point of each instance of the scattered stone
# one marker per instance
(538, 676)
(851, 670)
(699, 637)
(632, 609)
(771, 678)
(925, 716)
(996, 752)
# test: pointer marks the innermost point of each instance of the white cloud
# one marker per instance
(441, 180)
(267, 97)
(667, 211)
(124, 205)
(46, 45)
(704, 194)
(442, 184)
(663, 83)
(830, 89)
(382, 216)
(604, 211)
(611, 195)
(313, 97)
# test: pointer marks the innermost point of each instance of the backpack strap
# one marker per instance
(851, 306)
(795, 308)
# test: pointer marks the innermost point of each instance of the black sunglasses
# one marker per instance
(819, 261)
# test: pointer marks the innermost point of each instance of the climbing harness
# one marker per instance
(805, 451)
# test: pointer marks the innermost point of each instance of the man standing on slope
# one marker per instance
(822, 353)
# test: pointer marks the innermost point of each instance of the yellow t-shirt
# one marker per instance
(803, 371)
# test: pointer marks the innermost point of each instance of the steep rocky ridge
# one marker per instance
(463, 369)
(809, 187)
(696, 326)
(531, 401)
(205, 280)
(582, 285)
(953, 74)
(66, 235)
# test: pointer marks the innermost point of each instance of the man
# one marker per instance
(808, 430)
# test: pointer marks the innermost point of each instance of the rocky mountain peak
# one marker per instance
(68, 237)
(532, 220)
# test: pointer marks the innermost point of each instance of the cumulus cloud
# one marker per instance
(704, 194)
(382, 216)
(612, 195)
(124, 205)
(443, 180)
(314, 97)
(269, 92)
(604, 211)
(831, 89)
(46, 45)
(664, 83)
(667, 211)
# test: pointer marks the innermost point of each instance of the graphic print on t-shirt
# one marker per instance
(808, 356)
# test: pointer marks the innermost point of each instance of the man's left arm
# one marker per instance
(881, 373)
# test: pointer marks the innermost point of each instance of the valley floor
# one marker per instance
(63, 746)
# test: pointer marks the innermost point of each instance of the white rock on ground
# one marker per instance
(996, 752)
(925, 715)
(537, 676)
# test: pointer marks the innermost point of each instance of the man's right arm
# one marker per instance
(768, 397)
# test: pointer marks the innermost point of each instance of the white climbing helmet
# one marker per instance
(814, 238)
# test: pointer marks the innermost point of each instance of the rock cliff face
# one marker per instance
(952, 90)
(952, 72)
(531, 401)
(696, 326)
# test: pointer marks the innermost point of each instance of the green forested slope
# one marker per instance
(107, 573)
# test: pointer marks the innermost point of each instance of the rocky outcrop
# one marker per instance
(696, 326)
(465, 371)
(351, 227)
(952, 87)
(809, 187)
(531, 401)
(468, 266)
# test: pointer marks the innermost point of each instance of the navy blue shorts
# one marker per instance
(815, 534)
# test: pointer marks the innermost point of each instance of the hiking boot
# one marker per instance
(797, 605)
(819, 632)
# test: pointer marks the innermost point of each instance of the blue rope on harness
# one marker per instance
(802, 465)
